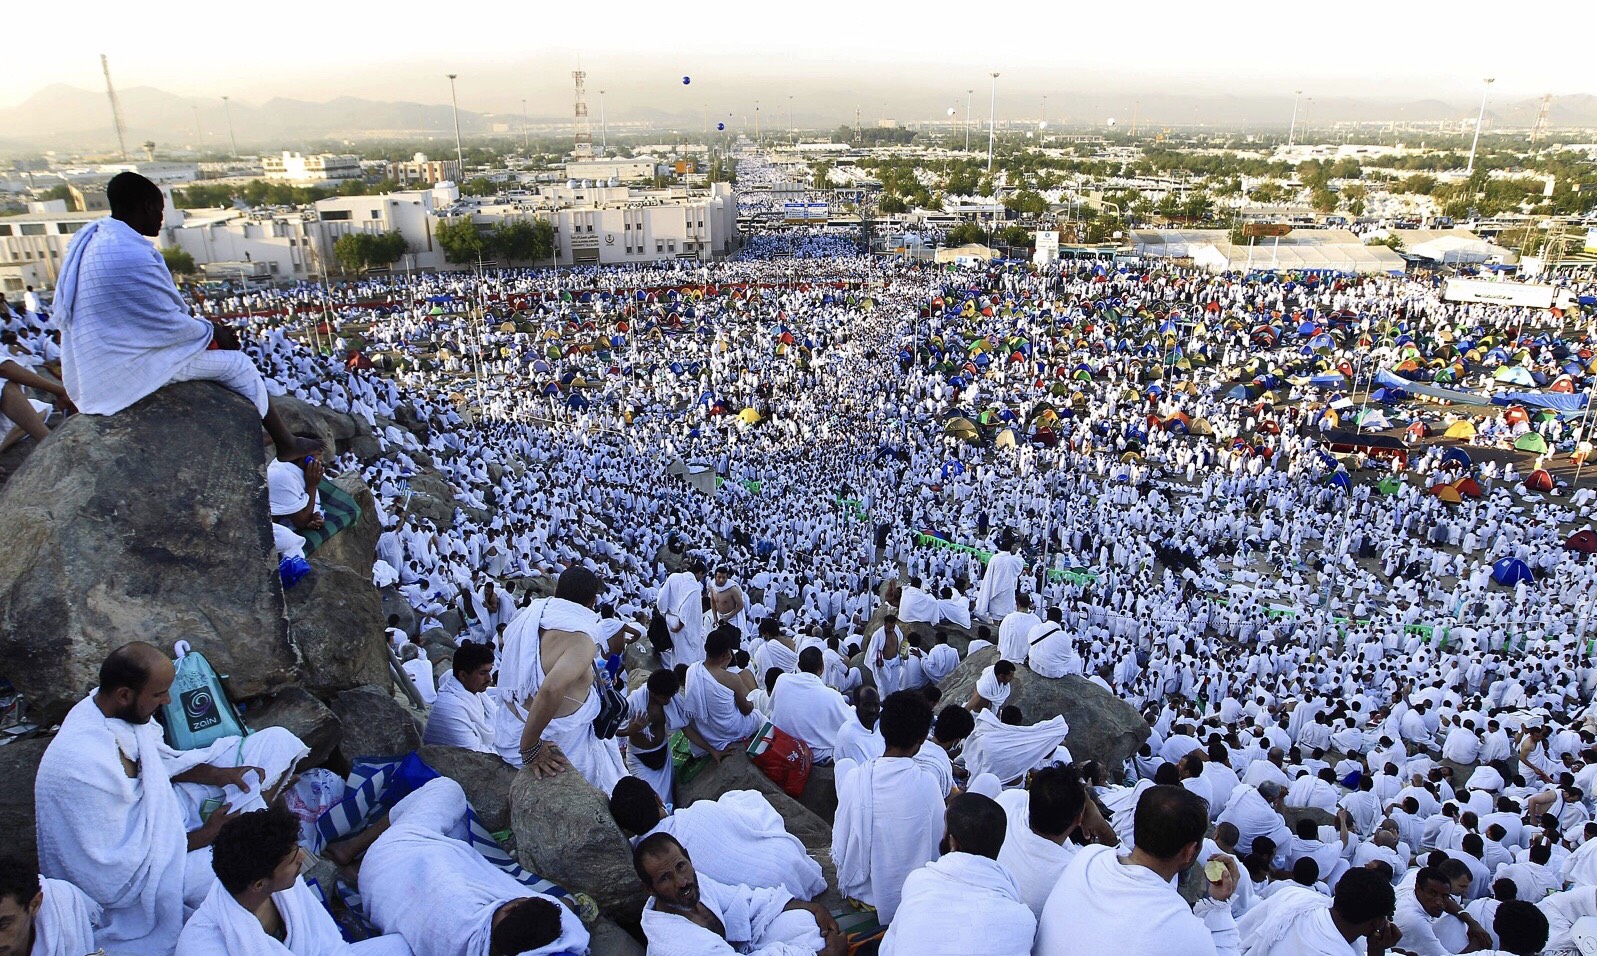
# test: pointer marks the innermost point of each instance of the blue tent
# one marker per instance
(1458, 455)
(1329, 380)
(1340, 479)
(1511, 571)
(577, 402)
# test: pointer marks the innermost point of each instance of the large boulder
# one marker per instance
(150, 524)
(356, 546)
(336, 430)
(1102, 726)
(395, 605)
(564, 833)
(485, 778)
(302, 715)
(19, 765)
(336, 621)
(433, 498)
(738, 773)
(376, 727)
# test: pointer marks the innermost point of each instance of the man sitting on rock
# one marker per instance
(547, 686)
(802, 705)
(40, 917)
(737, 838)
(125, 330)
(422, 881)
(717, 699)
(119, 812)
(692, 915)
(860, 739)
(260, 905)
(463, 714)
(291, 489)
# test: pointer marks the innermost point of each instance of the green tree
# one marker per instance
(478, 186)
(964, 234)
(523, 240)
(820, 175)
(892, 204)
(462, 241)
(1197, 206)
(178, 262)
(56, 192)
(1026, 202)
(1323, 200)
(360, 251)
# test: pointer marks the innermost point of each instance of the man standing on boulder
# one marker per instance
(119, 812)
(681, 603)
(125, 330)
(548, 690)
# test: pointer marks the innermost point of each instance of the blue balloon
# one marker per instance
(686, 80)
(720, 126)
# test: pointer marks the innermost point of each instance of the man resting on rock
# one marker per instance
(125, 330)
(692, 915)
(120, 813)
(736, 838)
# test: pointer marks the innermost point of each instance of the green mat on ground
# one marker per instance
(339, 511)
(684, 765)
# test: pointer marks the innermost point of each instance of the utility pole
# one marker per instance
(116, 108)
(460, 154)
(1292, 130)
(967, 119)
(526, 146)
(604, 130)
(790, 113)
(227, 107)
(1480, 119)
(992, 121)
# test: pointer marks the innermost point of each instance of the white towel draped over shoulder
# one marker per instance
(713, 706)
(1296, 923)
(220, 925)
(889, 822)
(741, 837)
(1007, 751)
(804, 706)
(124, 327)
(918, 607)
(961, 904)
(460, 718)
(64, 925)
(117, 838)
(422, 881)
(753, 918)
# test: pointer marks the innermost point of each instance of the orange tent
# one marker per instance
(1516, 415)
(1539, 480)
(1447, 493)
(1467, 487)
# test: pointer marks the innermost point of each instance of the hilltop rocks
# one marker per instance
(1102, 726)
(146, 525)
(485, 778)
(302, 715)
(376, 727)
(19, 766)
(564, 833)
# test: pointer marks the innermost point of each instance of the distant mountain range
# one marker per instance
(67, 117)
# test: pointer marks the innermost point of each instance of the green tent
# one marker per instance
(1389, 486)
(1531, 442)
(963, 429)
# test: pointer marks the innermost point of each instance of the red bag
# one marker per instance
(782, 757)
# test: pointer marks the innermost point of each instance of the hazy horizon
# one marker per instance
(829, 58)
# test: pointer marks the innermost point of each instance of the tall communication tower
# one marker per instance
(858, 135)
(116, 108)
(584, 135)
(1540, 129)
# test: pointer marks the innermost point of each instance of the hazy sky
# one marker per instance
(827, 52)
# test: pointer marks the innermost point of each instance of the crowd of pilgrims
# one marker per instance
(756, 455)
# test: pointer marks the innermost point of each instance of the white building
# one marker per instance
(624, 170)
(424, 172)
(310, 170)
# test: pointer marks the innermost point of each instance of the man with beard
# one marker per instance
(690, 915)
(119, 812)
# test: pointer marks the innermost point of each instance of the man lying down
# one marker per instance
(422, 880)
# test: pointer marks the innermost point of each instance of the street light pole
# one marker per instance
(604, 129)
(1485, 90)
(1293, 129)
(992, 121)
(460, 155)
(967, 119)
(228, 109)
(526, 146)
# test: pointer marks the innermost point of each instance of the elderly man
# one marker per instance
(737, 837)
(42, 917)
(463, 714)
(966, 901)
(1130, 907)
(692, 915)
(120, 813)
(549, 687)
(125, 331)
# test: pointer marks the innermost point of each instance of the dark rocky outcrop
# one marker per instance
(485, 778)
(19, 765)
(336, 621)
(375, 725)
(1102, 726)
(301, 714)
(564, 833)
(150, 524)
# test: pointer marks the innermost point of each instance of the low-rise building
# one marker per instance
(422, 171)
(304, 170)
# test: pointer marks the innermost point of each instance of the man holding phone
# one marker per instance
(292, 487)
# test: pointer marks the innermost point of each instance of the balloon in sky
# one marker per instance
(720, 126)
(950, 111)
(1111, 121)
(686, 80)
